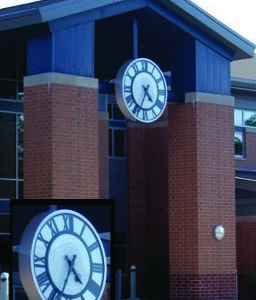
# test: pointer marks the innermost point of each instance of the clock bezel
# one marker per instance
(27, 251)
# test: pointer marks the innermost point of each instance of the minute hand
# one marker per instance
(77, 278)
(71, 264)
(147, 93)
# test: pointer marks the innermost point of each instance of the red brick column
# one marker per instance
(246, 257)
(61, 158)
(103, 156)
(201, 195)
(148, 207)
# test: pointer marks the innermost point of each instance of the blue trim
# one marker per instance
(184, 14)
(4, 206)
(11, 106)
(93, 15)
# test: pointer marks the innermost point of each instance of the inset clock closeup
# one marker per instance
(141, 90)
(62, 257)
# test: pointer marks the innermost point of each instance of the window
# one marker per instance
(114, 112)
(116, 131)
(249, 118)
(239, 142)
(11, 155)
(242, 118)
(13, 61)
(4, 217)
(245, 118)
(116, 142)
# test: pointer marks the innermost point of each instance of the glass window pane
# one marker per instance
(7, 189)
(8, 60)
(117, 114)
(119, 143)
(238, 117)
(8, 89)
(110, 142)
(4, 223)
(22, 59)
(20, 94)
(239, 144)
(20, 129)
(8, 145)
(20, 192)
(250, 118)
(110, 115)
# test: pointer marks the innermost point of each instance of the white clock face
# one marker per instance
(141, 90)
(67, 258)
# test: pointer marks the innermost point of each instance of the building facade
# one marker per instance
(173, 180)
(243, 89)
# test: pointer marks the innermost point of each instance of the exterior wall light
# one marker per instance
(219, 232)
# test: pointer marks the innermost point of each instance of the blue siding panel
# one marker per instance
(73, 50)
(198, 68)
(212, 71)
(70, 51)
(39, 55)
(183, 66)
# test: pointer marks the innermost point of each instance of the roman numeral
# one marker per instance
(136, 110)
(42, 239)
(162, 92)
(55, 295)
(128, 89)
(93, 247)
(129, 100)
(135, 68)
(97, 268)
(145, 115)
(159, 104)
(160, 79)
(43, 281)
(144, 64)
(93, 287)
(82, 230)
(68, 223)
(53, 227)
(39, 262)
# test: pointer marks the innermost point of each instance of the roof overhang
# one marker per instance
(50, 10)
(243, 85)
(246, 180)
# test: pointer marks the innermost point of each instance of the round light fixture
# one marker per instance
(219, 232)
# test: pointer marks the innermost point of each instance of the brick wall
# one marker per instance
(246, 257)
(103, 156)
(148, 207)
(201, 195)
(61, 137)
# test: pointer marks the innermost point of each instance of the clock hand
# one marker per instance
(147, 93)
(69, 270)
(77, 277)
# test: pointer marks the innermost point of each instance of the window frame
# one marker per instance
(17, 179)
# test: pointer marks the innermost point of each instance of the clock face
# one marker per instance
(67, 258)
(141, 90)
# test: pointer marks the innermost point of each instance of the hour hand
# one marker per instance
(146, 92)
(77, 277)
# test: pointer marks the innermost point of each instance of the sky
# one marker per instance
(237, 14)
